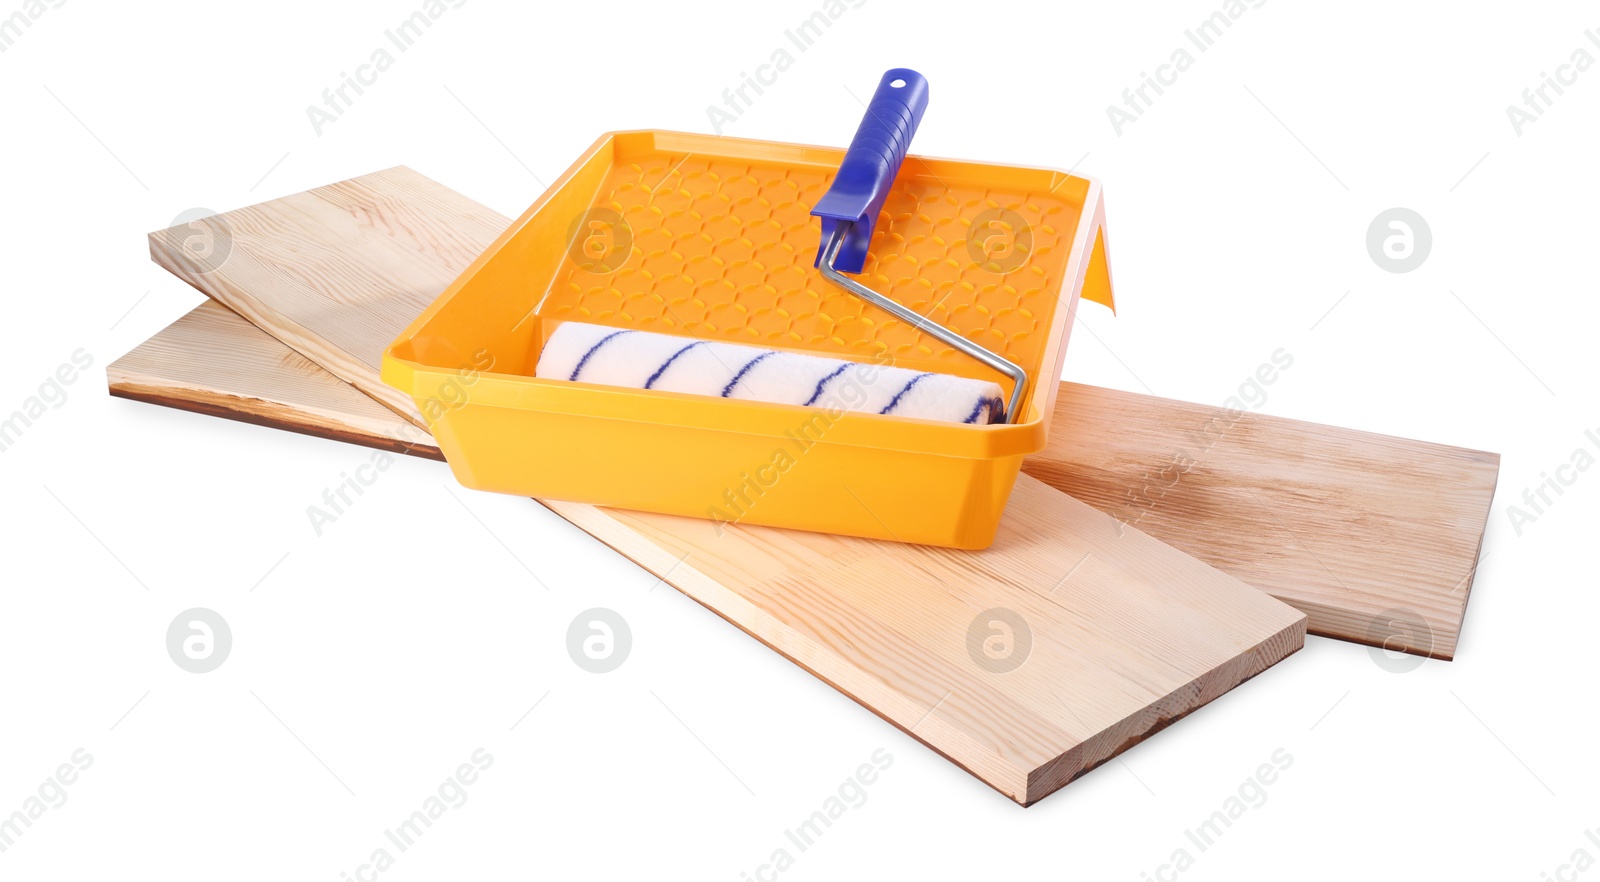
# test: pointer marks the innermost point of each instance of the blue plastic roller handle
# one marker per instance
(870, 165)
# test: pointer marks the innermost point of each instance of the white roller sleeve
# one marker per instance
(643, 360)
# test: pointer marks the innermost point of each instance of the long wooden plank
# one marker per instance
(348, 266)
(1126, 632)
(1118, 621)
(1375, 538)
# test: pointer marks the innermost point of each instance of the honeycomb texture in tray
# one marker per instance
(723, 249)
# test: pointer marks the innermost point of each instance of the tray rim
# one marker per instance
(521, 391)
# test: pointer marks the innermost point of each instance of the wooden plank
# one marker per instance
(1119, 622)
(1375, 538)
(1127, 633)
(354, 259)
(214, 362)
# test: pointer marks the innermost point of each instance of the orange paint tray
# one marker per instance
(711, 238)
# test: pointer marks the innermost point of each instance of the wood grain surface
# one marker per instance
(1374, 538)
(349, 265)
(214, 362)
(1117, 634)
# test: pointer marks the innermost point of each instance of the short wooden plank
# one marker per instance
(214, 362)
(1127, 633)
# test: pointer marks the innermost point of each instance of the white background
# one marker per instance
(371, 661)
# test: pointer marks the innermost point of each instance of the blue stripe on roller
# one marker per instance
(728, 389)
(895, 402)
(994, 405)
(587, 355)
(824, 382)
(668, 363)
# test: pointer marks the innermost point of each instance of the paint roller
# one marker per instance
(586, 353)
